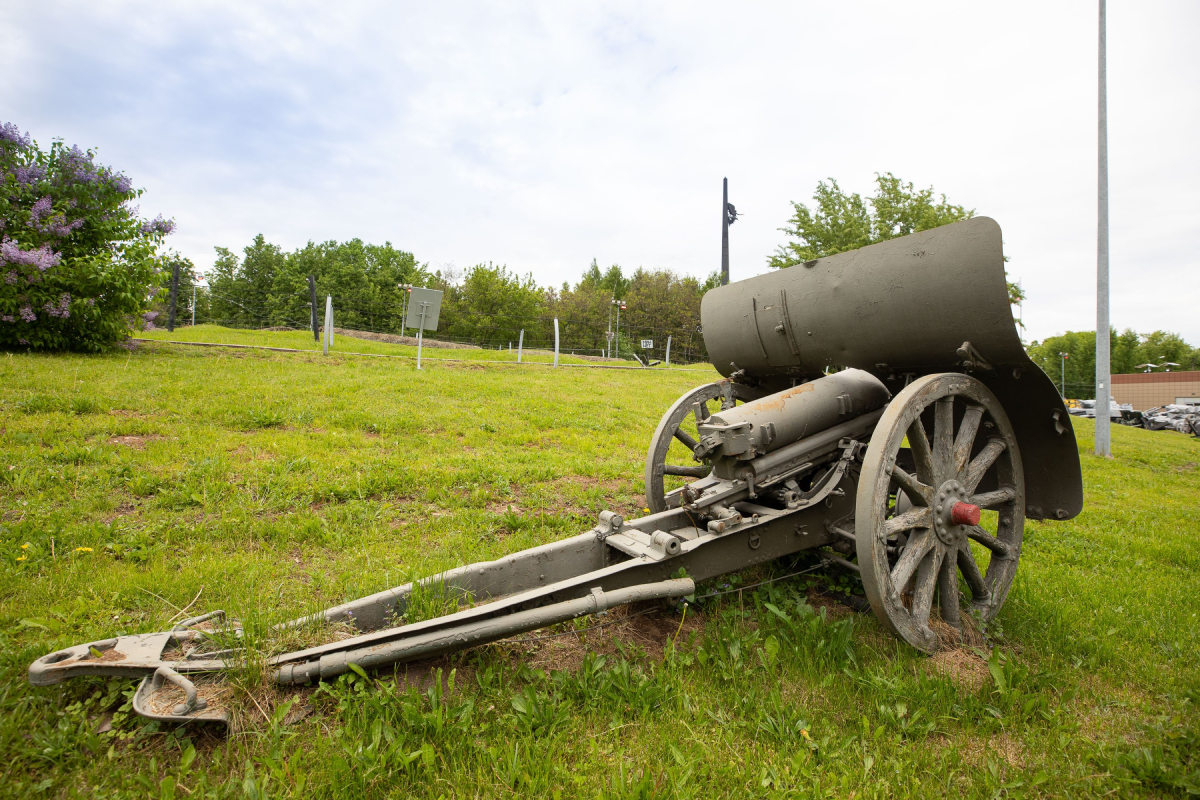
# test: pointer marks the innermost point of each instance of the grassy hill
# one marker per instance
(270, 484)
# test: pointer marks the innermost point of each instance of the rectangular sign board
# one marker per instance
(647, 343)
(432, 300)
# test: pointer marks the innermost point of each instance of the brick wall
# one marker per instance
(1145, 390)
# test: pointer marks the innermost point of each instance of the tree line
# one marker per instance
(486, 304)
(1129, 351)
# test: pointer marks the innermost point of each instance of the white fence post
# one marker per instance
(520, 345)
(328, 338)
(668, 351)
(556, 341)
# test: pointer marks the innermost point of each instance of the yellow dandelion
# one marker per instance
(83, 549)
(25, 546)
(20, 558)
(646, 510)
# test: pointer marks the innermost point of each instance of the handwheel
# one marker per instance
(920, 543)
(675, 428)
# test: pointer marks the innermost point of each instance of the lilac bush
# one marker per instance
(79, 264)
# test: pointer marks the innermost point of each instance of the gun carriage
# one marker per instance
(877, 406)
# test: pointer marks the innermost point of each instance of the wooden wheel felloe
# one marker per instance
(674, 441)
(919, 544)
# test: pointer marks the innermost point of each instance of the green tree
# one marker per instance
(363, 279)
(242, 289)
(189, 277)
(840, 222)
(491, 305)
(1127, 349)
(78, 264)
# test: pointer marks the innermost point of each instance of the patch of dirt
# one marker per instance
(962, 667)
(651, 633)
(949, 638)
(834, 609)
(1002, 744)
(1188, 467)
(122, 510)
(370, 336)
(243, 450)
(136, 442)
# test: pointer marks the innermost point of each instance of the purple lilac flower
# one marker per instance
(62, 310)
(158, 225)
(9, 132)
(11, 277)
(91, 301)
(121, 183)
(40, 209)
(56, 225)
(148, 317)
(6, 318)
(78, 165)
(29, 175)
(27, 314)
(43, 258)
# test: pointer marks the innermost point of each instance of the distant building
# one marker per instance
(1144, 390)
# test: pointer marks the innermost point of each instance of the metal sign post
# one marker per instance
(424, 305)
(421, 331)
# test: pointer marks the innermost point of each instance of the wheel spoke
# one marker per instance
(927, 580)
(701, 411)
(686, 472)
(943, 436)
(918, 443)
(974, 578)
(687, 440)
(918, 517)
(996, 498)
(917, 548)
(966, 437)
(980, 464)
(918, 492)
(998, 547)
(948, 593)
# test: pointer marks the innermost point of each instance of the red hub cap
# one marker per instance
(964, 514)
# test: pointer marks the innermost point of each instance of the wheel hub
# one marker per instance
(952, 514)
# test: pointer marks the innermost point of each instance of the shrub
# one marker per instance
(77, 263)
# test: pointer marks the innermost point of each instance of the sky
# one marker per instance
(543, 135)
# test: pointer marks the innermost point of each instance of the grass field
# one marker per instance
(271, 484)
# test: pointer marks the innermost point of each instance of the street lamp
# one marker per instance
(1064, 357)
(620, 304)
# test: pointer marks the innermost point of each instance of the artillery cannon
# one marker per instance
(931, 417)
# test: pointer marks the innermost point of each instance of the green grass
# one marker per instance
(303, 340)
(277, 483)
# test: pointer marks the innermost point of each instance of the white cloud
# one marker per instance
(549, 135)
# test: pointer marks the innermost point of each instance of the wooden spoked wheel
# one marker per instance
(915, 530)
(670, 462)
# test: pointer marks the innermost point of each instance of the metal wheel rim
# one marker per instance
(668, 430)
(949, 469)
